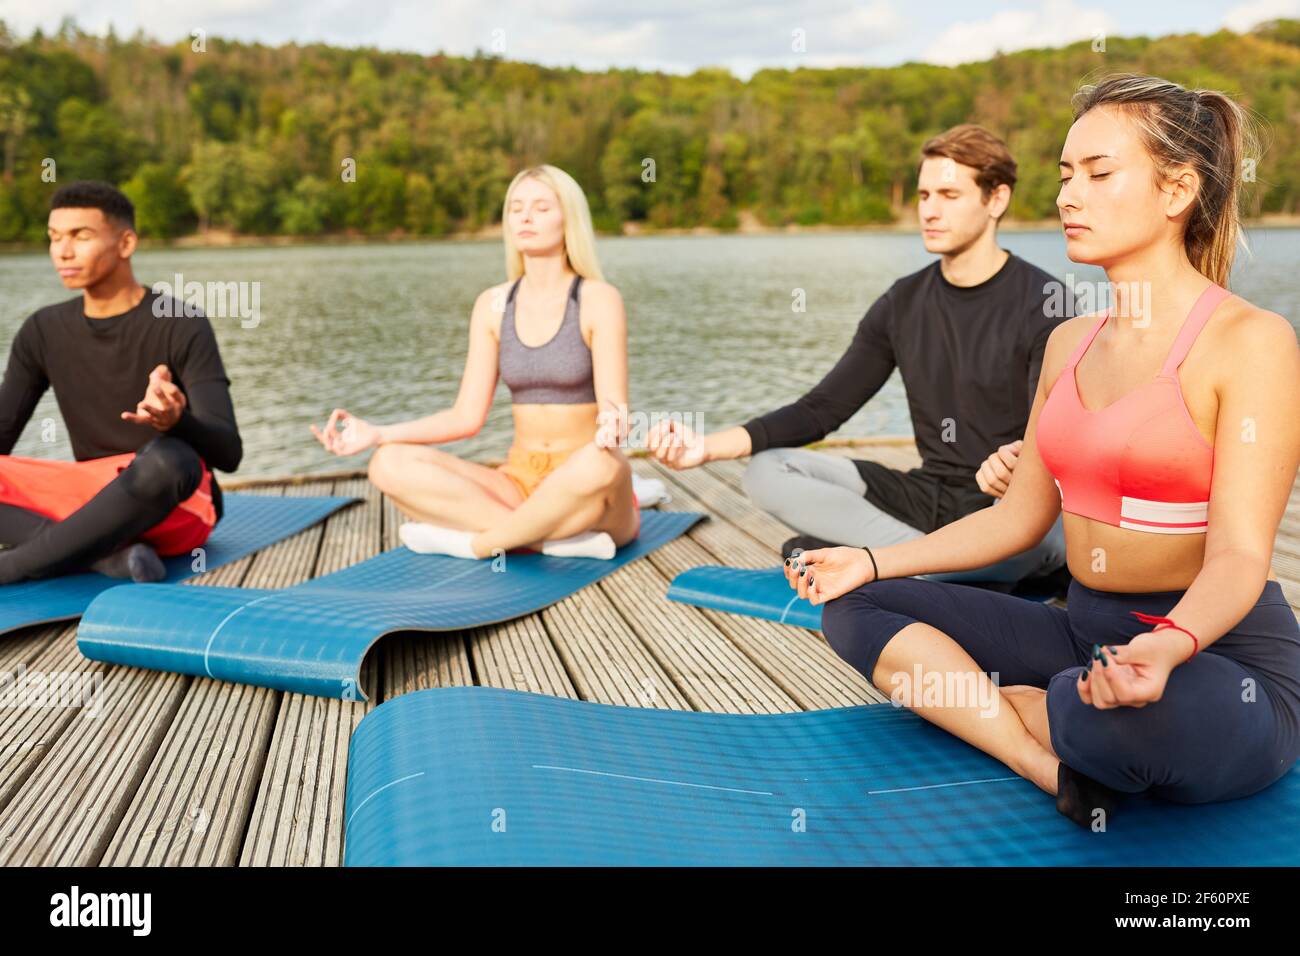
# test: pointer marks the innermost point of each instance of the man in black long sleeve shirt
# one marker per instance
(967, 333)
(136, 379)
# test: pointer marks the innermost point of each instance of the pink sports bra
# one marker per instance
(1139, 463)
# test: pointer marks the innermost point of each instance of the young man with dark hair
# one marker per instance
(145, 399)
(967, 333)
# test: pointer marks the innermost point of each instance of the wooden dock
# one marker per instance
(180, 770)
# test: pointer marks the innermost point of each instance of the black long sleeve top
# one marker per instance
(969, 356)
(99, 368)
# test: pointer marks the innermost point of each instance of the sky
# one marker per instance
(673, 35)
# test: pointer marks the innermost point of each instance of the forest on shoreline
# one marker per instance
(318, 141)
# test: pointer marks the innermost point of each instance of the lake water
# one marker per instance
(382, 329)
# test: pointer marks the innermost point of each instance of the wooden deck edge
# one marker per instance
(239, 484)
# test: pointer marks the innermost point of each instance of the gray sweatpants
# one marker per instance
(823, 495)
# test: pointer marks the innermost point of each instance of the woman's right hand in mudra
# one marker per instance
(828, 573)
(345, 434)
(675, 445)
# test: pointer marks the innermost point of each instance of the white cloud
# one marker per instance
(1247, 15)
(671, 35)
(1053, 23)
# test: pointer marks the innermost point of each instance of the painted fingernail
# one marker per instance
(801, 571)
(1085, 675)
(810, 580)
(1096, 652)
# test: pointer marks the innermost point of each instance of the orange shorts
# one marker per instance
(56, 489)
(527, 469)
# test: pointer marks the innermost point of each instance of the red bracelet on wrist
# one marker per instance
(1166, 622)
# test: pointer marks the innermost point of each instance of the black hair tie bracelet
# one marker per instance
(875, 571)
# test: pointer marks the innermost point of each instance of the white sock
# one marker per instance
(433, 539)
(589, 544)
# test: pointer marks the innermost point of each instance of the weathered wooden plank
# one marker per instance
(731, 471)
(710, 671)
(28, 730)
(23, 647)
(722, 500)
(78, 794)
(728, 542)
(519, 655)
(192, 806)
(419, 661)
(603, 656)
(298, 816)
(798, 660)
(75, 797)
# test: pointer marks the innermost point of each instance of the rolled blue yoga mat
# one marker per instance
(762, 592)
(250, 523)
(483, 776)
(313, 637)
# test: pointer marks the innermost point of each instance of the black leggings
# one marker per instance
(165, 472)
(1227, 725)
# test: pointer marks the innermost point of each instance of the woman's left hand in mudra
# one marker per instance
(1134, 674)
(828, 572)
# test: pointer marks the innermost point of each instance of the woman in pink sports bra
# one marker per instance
(1170, 441)
(566, 487)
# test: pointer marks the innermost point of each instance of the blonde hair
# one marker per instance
(1203, 129)
(579, 236)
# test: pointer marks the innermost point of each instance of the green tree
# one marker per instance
(310, 209)
(162, 204)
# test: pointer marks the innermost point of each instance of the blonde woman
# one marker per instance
(556, 332)
(1169, 438)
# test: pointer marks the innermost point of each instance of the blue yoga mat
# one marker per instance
(250, 523)
(477, 775)
(761, 593)
(313, 637)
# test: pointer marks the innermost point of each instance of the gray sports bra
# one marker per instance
(558, 372)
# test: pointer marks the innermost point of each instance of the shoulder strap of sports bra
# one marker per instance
(571, 307)
(1196, 319)
(508, 314)
(1087, 339)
